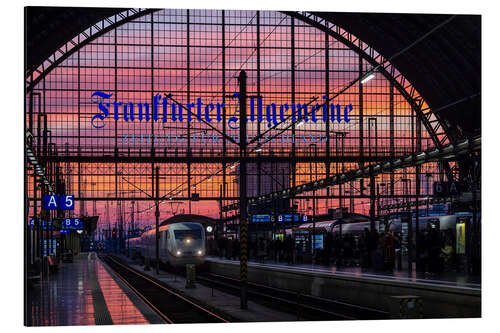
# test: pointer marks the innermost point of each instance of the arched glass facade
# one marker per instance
(191, 54)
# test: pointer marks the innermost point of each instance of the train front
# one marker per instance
(189, 239)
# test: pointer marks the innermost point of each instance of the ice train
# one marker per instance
(179, 244)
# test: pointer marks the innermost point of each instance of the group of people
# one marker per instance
(260, 249)
(370, 249)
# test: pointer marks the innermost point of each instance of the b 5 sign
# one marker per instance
(54, 202)
(72, 223)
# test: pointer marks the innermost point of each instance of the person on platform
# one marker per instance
(389, 254)
(447, 253)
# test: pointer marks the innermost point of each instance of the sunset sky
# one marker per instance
(141, 58)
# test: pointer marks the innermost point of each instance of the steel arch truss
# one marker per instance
(435, 126)
(79, 41)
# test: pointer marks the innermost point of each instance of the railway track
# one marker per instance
(170, 305)
(306, 307)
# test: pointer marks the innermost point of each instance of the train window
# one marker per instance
(193, 233)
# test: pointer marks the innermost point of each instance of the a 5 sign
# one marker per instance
(55, 202)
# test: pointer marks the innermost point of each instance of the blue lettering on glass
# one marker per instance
(299, 111)
(104, 109)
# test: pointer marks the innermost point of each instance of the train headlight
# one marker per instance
(200, 252)
(179, 253)
(188, 240)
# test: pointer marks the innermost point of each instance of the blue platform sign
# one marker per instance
(261, 218)
(72, 223)
(289, 218)
(67, 202)
(54, 202)
(50, 202)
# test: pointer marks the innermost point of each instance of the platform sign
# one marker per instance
(50, 202)
(285, 218)
(264, 218)
(41, 223)
(77, 224)
(72, 223)
(66, 202)
(446, 189)
(58, 202)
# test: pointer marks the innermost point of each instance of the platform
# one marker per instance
(447, 296)
(85, 293)
(451, 279)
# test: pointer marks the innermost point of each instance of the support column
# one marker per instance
(243, 188)
(361, 141)
(259, 163)
(327, 110)
(157, 220)
(292, 78)
(391, 131)
(417, 193)
(224, 140)
(188, 93)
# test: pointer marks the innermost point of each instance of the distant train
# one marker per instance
(445, 222)
(179, 244)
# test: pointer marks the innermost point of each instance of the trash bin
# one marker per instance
(405, 307)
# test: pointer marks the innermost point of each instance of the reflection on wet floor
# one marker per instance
(453, 279)
(64, 298)
(81, 293)
(122, 310)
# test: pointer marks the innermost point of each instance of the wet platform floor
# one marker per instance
(84, 293)
(449, 279)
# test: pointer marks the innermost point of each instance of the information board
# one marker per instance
(318, 241)
(460, 228)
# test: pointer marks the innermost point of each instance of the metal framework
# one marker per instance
(447, 152)
(292, 57)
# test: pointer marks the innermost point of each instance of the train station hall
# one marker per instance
(250, 165)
